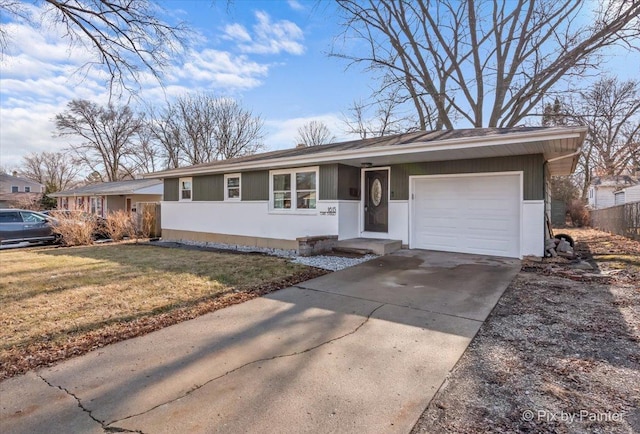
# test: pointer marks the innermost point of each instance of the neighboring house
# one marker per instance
(100, 199)
(18, 192)
(627, 195)
(602, 189)
(481, 191)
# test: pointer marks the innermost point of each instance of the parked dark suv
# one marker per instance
(20, 225)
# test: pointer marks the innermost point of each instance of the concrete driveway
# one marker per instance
(360, 350)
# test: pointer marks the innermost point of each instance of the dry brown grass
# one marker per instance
(52, 296)
(608, 251)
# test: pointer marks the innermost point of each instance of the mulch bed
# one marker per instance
(23, 359)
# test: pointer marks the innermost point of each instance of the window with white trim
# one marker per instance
(27, 189)
(14, 189)
(293, 190)
(232, 186)
(186, 189)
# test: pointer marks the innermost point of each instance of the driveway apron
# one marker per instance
(360, 350)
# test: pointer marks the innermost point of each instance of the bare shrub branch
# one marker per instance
(74, 230)
(118, 225)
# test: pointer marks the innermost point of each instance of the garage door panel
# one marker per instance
(469, 214)
(440, 242)
(484, 244)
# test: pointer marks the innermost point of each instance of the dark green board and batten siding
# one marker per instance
(339, 182)
(208, 188)
(342, 182)
(171, 186)
(255, 186)
(530, 165)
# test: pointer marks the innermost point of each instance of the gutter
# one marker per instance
(578, 152)
(573, 154)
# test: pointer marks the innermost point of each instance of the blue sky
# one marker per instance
(271, 55)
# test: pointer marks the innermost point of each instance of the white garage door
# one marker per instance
(468, 214)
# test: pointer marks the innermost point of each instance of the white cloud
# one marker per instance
(268, 37)
(237, 32)
(28, 128)
(220, 69)
(41, 74)
(295, 5)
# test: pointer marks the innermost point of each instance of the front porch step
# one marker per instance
(368, 245)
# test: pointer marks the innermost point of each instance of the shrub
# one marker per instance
(73, 230)
(118, 225)
(578, 213)
(147, 221)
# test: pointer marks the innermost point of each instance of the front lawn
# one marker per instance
(61, 302)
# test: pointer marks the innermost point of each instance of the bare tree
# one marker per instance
(147, 154)
(382, 117)
(165, 130)
(471, 58)
(314, 133)
(611, 110)
(237, 131)
(108, 137)
(55, 170)
(199, 128)
(125, 37)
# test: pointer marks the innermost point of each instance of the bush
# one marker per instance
(147, 221)
(73, 230)
(578, 213)
(118, 225)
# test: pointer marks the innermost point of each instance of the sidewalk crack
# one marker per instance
(105, 426)
(266, 359)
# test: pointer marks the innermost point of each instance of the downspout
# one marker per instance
(548, 233)
(547, 216)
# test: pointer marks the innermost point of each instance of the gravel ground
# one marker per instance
(326, 262)
(560, 353)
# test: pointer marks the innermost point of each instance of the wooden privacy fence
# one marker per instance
(148, 219)
(621, 219)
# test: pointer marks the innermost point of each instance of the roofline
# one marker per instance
(78, 191)
(380, 151)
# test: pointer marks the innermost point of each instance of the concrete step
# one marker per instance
(373, 245)
(352, 250)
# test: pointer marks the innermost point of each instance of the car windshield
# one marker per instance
(31, 217)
